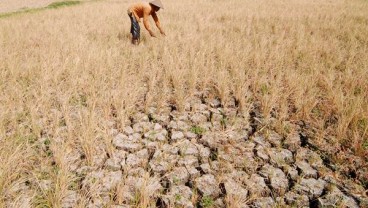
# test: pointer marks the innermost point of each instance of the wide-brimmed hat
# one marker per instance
(157, 3)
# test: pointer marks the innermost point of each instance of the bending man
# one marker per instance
(144, 10)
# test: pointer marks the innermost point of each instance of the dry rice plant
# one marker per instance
(66, 73)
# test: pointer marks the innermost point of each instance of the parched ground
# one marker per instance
(206, 156)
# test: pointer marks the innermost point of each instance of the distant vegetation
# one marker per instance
(62, 4)
(53, 5)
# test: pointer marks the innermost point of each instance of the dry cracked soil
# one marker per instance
(209, 156)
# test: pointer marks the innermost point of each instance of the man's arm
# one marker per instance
(157, 21)
(146, 24)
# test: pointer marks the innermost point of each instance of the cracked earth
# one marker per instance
(207, 156)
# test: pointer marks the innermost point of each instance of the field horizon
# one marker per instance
(81, 106)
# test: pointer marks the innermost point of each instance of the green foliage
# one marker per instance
(197, 130)
(47, 142)
(9, 14)
(365, 144)
(207, 202)
(177, 197)
(317, 111)
(49, 153)
(214, 155)
(73, 185)
(152, 118)
(43, 175)
(358, 91)
(287, 128)
(137, 198)
(223, 122)
(264, 89)
(41, 202)
(175, 180)
(62, 4)
(362, 124)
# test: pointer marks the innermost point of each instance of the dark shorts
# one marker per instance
(134, 27)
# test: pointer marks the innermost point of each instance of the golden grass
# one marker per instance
(64, 74)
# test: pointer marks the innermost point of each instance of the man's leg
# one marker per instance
(135, 29)
(131, 23)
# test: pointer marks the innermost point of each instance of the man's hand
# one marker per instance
(152, 34)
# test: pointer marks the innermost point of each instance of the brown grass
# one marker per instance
(64, 74)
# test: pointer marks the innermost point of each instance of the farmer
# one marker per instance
(143, 10)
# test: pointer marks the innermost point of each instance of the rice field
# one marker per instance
(70, 75)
